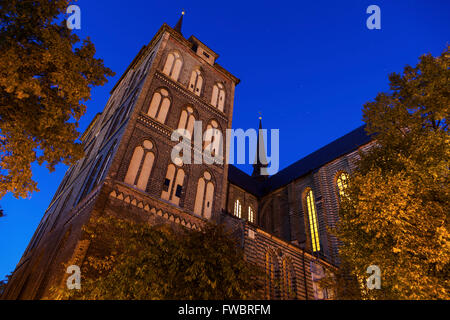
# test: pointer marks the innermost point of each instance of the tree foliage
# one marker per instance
(396, 210)
(136, 261)
(46, 75)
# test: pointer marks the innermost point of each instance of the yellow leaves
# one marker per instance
(42, 82)
(398, 215)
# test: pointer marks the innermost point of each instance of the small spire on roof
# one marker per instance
(260, 165)
(180, 22)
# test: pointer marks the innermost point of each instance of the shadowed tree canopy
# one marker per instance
(396, 210)
(136, 261)
(46, 74)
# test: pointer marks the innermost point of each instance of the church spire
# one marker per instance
(179, 23)
(260, 164)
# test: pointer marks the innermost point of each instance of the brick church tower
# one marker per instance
(282, 221)
(172, 82)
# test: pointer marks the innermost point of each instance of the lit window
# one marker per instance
(212, 138)
(251, 215)
(196, 82)
(204, 196)
(342, 184)
(159, 106)
(237, 209)
(313, 224)
(173, 183)
(187, 120)
(218, 96)
(139, 171)
(173, 65)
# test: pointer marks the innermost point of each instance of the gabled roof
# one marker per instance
(346, 144)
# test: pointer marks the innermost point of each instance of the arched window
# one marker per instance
(134, 79)
(270, 275)
(313, 223)
(289, 288)
(88, 155)
(119, 117)
(61, 210)
(66, 179)
(140, 166)
(173, 65)
(251, 215)
(108, 108)
(317, 273)
(218, 96)
(204, 197)
(148, 62)
(237, 209)
(187, 120)
(105, 165)
(196, 82)
(342, 184)
(159, 106)
(212, 139)
(173, 183)
(89, 184)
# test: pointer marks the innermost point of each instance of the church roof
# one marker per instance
(341, 146)
(243, 180)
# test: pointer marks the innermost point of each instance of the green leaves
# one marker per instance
(43, 81)
(135, 261)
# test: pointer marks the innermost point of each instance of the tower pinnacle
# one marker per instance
(260, 164)
(180, 22)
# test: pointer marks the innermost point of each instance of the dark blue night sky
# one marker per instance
(307, 66)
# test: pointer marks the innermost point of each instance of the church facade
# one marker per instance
(282, 221)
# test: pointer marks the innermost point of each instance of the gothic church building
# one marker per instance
(281, 220)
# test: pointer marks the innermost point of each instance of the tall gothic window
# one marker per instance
(237, 208)
(187, 120)
(342, 184)
(270, 275)
(196, 82)
(218, 96)
(313, 223)
(173, 65)
(204, 197)
(140, 166)
(317, 273)
(159, 106)
(173, 183)
(89, 184)
(212, 139)
(61, 210)
(251, 215)
(289, 287)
